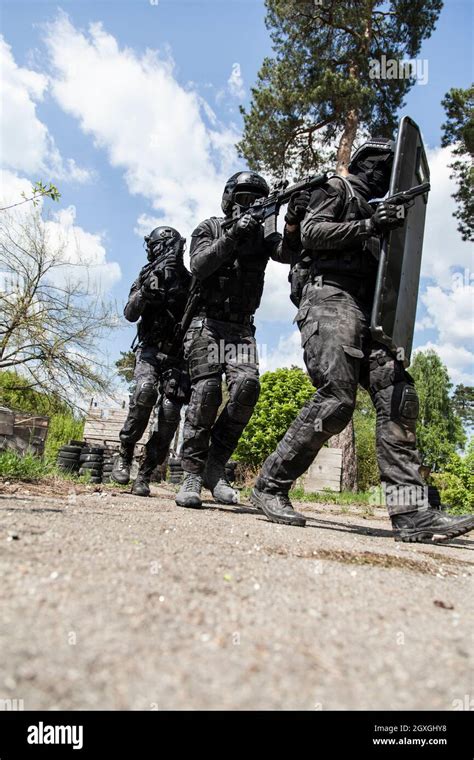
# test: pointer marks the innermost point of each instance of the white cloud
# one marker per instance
(235, 82)
(459, 360)
(83, 246)
(171, 149)
(288, 352)
(451, 312)
(276, 305)
(79, 245)
(443, 246)
(27, 145)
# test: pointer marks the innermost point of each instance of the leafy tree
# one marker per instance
(38, 190)
(283, 393)
(325, 84)
(439, 429)
(458, 131)
(456, 482)
(126, 365)
(50, 314)
(463, 401)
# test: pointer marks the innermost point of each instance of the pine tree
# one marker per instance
(458, 131)
(326, 82)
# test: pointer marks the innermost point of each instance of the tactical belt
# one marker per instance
(228, 316)
(359, 287)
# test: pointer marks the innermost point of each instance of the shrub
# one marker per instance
(283, 393)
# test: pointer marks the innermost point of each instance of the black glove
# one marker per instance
(297, 207)
(150, 288)
(386, 217)
(245, 227)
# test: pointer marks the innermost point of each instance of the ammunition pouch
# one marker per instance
(176, 385)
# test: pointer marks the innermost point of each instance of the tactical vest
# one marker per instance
(235, 289)
(357, 262)
(158, 322)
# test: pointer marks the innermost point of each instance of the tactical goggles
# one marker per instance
(246, 198)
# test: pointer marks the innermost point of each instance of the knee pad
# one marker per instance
(170, 410)
(206, 399)
(409, 405)
(243, 399)
(146, 394)
(405, 405)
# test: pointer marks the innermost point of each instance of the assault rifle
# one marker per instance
(266, 210)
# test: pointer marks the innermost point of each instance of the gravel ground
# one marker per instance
(111, 601)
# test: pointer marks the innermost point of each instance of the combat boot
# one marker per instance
(430, 525)
(277, 507)
(189, 495)
(122, 465)
(215, 479)
(141, 486)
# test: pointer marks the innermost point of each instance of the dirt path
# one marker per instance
(111, 601)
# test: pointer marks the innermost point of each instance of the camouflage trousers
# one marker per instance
(215, 348)
(157, 378)
(340, 354)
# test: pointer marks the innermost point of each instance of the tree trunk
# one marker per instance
(346, 442)
(346, 439)
(345, 144)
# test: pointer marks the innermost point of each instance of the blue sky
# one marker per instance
(179, 109)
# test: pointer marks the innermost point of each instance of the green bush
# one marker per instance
(63, 424)
(62, 428)
(439, 427)
(364, 430)
(456, 482)
(283, 393)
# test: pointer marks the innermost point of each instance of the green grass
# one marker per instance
(31, 468)
(346, 498)
(28, 467)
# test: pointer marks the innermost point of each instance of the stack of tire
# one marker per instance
(91, 461)
(69, 456)
(176, 471)
(108, 465)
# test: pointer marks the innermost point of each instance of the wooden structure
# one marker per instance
(22, 432)
(325, 473)
(103, 425)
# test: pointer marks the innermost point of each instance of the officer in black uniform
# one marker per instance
(335, 283)
(230, 266)
(157, 298)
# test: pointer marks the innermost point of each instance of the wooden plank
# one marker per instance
(325, 472)
(6, 427)
(327, 453)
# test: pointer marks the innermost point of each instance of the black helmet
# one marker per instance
(376, 146)
(163, 240)
(372, 165)
(249, 184)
